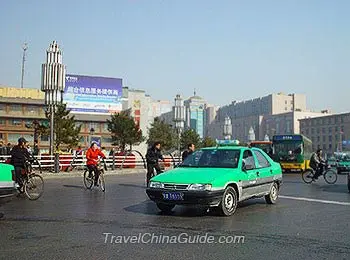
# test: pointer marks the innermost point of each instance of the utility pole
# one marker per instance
(25, 48)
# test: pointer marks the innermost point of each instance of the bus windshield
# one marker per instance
(288, 151)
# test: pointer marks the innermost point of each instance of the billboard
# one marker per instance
(98, 95)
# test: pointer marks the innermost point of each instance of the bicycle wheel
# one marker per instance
(88, 182)
(330, 176)
(34, 186)
(308, 175)
(101, 181)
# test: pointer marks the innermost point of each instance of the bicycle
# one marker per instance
(88, 182)
(32, 183)
(329, 175)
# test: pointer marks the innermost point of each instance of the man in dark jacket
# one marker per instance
(152, 158)
(190, 150)
(19, 156)
(317, 163)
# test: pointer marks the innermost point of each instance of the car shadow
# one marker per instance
(335, 188)
(132, 185)
(148, 207)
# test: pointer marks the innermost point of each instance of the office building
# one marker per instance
(330, 132)
(195, 114)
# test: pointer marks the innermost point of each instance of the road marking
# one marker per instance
(317, 200)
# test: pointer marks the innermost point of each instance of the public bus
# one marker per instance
(293, 152)
(266, 146)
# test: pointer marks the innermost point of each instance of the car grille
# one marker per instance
(175, 186)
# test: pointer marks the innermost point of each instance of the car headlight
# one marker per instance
(200, 187)
(157, 185)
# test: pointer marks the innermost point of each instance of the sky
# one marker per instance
(227, 50)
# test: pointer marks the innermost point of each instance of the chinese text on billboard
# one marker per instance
(100, 95)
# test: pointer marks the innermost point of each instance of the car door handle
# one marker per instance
(257, 173)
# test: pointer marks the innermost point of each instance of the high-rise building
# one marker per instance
(196, 114)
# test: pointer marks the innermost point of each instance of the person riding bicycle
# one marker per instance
(92, 155)
(152, 157)
(19, 157)
(317, 163)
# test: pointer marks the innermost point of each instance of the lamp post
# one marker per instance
(227, 128)
(53, 84)
(179, 118)
(25, 48)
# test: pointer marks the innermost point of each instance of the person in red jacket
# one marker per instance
(92, 155)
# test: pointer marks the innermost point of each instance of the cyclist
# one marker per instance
(317, 163)
(152, 157)
(92, 155)
(19, 156)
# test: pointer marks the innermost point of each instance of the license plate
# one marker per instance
(172, 196)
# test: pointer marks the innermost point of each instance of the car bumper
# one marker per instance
(208, 198)
(7, 192)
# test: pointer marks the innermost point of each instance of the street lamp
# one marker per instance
(25, 48)
(53, 84)
(227, 128)
(179, 117)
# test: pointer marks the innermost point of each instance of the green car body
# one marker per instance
(238, 173)
(341, 161)
(7, 183)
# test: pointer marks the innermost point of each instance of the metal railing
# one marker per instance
(62, 162)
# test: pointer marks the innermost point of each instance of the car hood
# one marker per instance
(192, 175)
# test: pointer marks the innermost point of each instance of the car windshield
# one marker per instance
(214, 158)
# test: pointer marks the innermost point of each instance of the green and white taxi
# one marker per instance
(219, 177)
(7, 183)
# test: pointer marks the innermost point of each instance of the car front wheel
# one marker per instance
(272, 197)
(229, 202)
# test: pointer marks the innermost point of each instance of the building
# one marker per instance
(17, 111)
(273, 114)
(269, 105)
(195, 114)
(20, 107)
(331, 132)
(286, 123)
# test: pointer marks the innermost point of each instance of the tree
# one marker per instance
(208, 142)
(163, 133)
(190, 136)
(66, 130)
(124, 130)
(39, 128)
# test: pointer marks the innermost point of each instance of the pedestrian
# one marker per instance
(152, 158)
(190, 150)
(8, 148)
(36, 149)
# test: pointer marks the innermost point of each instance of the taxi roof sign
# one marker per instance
(227, 142)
